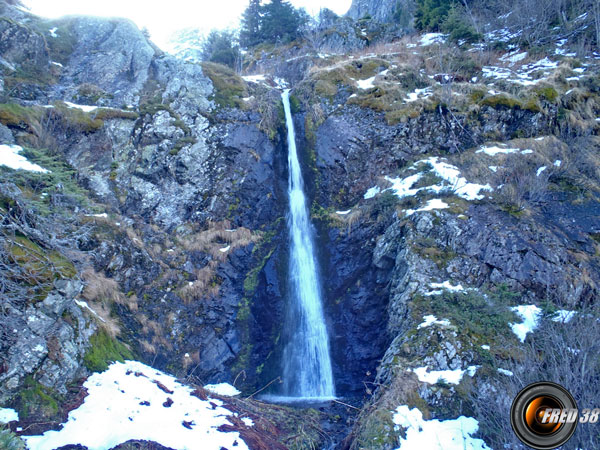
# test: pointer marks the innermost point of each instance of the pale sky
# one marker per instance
(164, 17)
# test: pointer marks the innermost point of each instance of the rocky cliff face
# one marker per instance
(385, 11)
(447, 186)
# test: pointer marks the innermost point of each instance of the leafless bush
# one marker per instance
(562, 352)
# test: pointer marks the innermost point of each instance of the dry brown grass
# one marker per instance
(217, 241)
(100, 289)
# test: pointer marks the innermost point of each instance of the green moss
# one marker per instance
(111, 113)
(75, 119)
(181, 124)
(251, 280)
(377, 431)
(547, 93)
(229, 87)
(60, 180)
(295, 104)
(36, 401)
(187, 140)
(40, 267)
(103, 351)
(26, 118)
(481, 318)
(501, 101)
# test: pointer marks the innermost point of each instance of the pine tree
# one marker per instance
(220, 47)
(281, 21)
(250, 33)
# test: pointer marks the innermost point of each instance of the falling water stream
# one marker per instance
(307, 373)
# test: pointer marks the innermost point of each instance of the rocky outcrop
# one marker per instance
(386, 11)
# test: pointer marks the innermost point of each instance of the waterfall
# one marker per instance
(306, 362)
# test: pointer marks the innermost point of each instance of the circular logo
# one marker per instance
(544, 415)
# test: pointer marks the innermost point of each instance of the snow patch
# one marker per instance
(418, 94)
(84, 305)
(84, 108)
(372, 192)
(531, 316)
(254, 78)
(436, 203)
(454, 434)
(432, 38)
(8, 415)
(222, 389)
(52, 32)
(557, 163)
(563, 316)
(508, 373)
(447, 376)
(493, 151)
(493, 168)
(366, 84)
(540, 170)
(486, 347)
(132, 401)
(10, 157)
(527, 152)
(343, 213)
(432, 320)
(57, 64)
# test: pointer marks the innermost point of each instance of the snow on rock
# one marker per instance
(435, 203)
(447, 285)
(448, 376)
(531, 316)
(432, 320)
(418, 94)
(508, 373)
(432, 38)
(222, 389)
(436, 434)
(563, 316)
(132, 401)
(514, 57)
(84, 108)
(493, 151)
(84, 305)
(8, 415)
(403, 187)
(372, 192)
(460, 185)
(254, 78)
(366, 84)
(10, 157)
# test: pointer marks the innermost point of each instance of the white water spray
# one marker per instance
(307, 370)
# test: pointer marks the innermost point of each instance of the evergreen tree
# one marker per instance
(281, 21)
(431, 14)
(220, 47)
(250, 33)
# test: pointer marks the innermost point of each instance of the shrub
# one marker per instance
(560, 352)
(10, 441)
